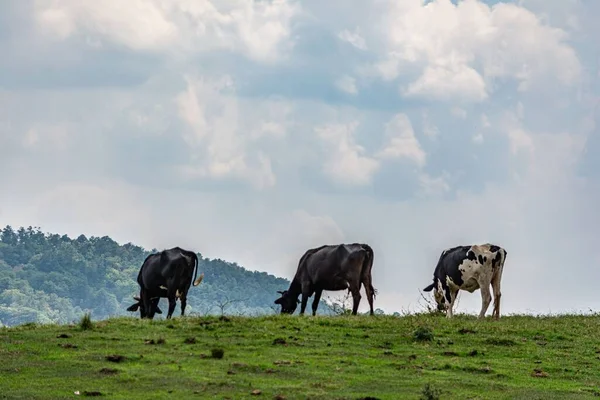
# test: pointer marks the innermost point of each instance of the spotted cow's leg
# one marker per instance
(497, 292)
(450, 298)
(486, 298)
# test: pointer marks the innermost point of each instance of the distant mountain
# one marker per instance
(53, 278)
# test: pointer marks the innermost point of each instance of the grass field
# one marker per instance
(344, 357)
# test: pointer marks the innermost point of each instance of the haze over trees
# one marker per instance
(52, 278)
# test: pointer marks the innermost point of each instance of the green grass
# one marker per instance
(297, 357)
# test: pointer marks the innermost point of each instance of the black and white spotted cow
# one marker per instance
(468, 268)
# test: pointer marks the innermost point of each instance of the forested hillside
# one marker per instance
(53, 278)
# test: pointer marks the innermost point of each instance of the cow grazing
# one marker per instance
(139, 304)
(330, 267)
(468, 268)
(166, 274)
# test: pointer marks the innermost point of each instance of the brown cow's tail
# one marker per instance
(368, 265)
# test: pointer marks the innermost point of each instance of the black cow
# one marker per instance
(468, 268)
(166, 274)
(330, 267)
(134, 307)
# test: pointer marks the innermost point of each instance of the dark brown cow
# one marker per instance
(332, 268)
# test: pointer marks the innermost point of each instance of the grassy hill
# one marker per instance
(323, 357)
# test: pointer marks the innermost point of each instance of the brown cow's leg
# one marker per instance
(356, 299)
(369, 290)
(303, 304)
(306, 293)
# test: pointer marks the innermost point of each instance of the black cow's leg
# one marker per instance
(316, 300)
(183, 303)
(155, 306)
(172, 303)
(147, 304)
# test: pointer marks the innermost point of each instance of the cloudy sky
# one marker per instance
(253, 130)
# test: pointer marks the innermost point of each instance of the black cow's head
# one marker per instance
(287, 302)
(134, 307)
(438, 295)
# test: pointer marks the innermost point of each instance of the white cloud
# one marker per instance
(270, 128)
(346, 84)
(261, 30)
(141, 25)
(354, 38)
(462, 83)
(555, 158)
(217, 135)
(401, 141)
(485, 121)
(429, 129)
(434, 186)
(519, 138)
(346, 164)
(459, 112)
(462, 49)
(44, 138)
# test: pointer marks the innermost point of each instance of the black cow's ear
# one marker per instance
(428, 288)
(278, 301)
(133, 307)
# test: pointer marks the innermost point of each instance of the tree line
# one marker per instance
(53, 278)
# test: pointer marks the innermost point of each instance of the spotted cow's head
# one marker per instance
(287, 302)
(438, 294)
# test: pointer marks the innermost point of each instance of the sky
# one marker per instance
(253, 130)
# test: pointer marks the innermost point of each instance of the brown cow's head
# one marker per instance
(287, 302)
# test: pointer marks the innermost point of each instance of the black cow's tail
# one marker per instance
(368, 265)
(196, 281)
